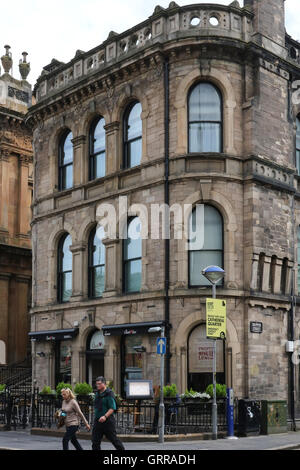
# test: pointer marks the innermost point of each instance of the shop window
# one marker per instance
(200, 360)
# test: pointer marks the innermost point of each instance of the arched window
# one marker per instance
(205, 118)
(132, 135)
(97, 149)
(96, 262)
(200, 359)
(132, 257)
(64, 281)
(298, 145)
(65, 163)
(205, 243)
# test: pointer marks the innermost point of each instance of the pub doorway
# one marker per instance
(95, 352)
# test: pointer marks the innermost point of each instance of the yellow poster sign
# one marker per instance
(216, 318)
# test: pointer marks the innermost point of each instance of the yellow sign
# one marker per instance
(216, 318)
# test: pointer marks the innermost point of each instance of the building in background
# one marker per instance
(16, 189)
(192, 106)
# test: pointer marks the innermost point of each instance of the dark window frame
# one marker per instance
(61, 165)
(193, 286)
(60, 272)
(126, 262)
(221, 123)
(127, 142)
(92, 267)
(92, 154)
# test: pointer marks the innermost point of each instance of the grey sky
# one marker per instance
(63, 26)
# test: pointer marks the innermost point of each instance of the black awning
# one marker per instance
(129, 328)
(54, 335)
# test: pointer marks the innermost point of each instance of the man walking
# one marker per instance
(105, 424)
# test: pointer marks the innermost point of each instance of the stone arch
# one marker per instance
(181, 338)
(208, 196)
(118, 113)
(88, 117)
(219, 79)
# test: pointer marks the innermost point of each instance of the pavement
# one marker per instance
(24, 440)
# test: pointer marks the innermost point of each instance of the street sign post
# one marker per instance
(161, 345)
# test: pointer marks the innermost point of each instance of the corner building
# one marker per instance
(192, 106)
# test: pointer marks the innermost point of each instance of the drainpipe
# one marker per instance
(167, 200)
(291, 333)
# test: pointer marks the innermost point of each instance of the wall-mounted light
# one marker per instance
(41, 354)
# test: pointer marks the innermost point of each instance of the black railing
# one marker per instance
(139, 417)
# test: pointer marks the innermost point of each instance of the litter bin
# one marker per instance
(274, 417)
(249, 418)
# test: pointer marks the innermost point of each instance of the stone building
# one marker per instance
(194, 106)
(16, 187)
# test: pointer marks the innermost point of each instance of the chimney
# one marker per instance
(269, 20)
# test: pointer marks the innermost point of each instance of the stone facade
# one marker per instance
(253, 183)
(16, 188)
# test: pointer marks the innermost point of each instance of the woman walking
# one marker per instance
(73, 416)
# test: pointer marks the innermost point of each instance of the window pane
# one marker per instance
(66, 286)
(206, 229)
(133, 243)
(134, 153)
(298, 160)
(205, 137)
(67, 179)
(99, 165)
(134, 122)
(98, 248)
(198, 260)
(99, 137)
(68, 150)
(205, 103)
(133, 276)
(298, 255)
(99, 281)
(67, 255)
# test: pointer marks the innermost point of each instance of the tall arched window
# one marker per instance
(97, 149)
(205, 243)
(205, 118)
(132, 257)
(64, 282)
(96, 262)
(65, 162)
(132, 135)
(298, 145)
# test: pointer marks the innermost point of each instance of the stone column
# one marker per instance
(80, 172)
(113, 147)
(277, 277)
(266, 274)
(254, 277)
(23, 203)
(77, 250)
(4, 199)
(113, 267)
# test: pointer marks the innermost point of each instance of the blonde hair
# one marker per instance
(69, 392)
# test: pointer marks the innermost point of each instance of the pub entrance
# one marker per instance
(95, 353)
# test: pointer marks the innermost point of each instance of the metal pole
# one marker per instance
(214, 405)
(161, 426)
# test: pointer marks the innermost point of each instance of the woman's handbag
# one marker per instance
(60, 416)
